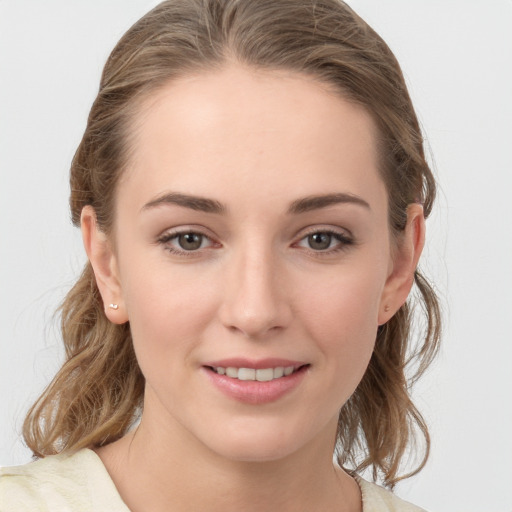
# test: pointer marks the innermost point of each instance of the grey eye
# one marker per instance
(319, 241)
(190, 241)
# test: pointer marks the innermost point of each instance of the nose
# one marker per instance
(255, 300)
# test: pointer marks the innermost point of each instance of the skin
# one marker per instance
(255, 142)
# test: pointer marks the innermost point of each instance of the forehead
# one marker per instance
(255, 130)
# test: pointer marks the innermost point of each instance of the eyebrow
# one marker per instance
(310, 203)
(303, 205)
(201, 204)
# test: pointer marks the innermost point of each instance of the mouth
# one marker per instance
(260, 374)
(256, 382)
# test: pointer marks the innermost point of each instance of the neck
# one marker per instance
(153, 470)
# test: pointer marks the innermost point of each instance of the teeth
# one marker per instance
(278, 372)
(264, 375)
(232, 372)
(246, 374)
(261, 375)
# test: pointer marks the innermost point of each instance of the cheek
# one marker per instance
(167, 311)
(347, 302)
(343, 319)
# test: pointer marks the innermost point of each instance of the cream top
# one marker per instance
(80, 483)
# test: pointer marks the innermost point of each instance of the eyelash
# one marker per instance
(345, 241)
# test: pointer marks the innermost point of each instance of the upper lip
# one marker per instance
(241, 362)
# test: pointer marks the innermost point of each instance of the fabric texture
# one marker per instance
(80, 483)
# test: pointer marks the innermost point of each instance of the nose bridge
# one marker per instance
(255, 302)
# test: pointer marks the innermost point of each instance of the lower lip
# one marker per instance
(255, 392)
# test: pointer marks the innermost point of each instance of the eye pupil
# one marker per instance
(319, 241)
(190, 241)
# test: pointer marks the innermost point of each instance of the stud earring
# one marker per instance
(386, 308)
(113, 306)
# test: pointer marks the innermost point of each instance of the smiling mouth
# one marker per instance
(260, 375)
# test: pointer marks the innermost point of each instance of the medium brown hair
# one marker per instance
(98, 392)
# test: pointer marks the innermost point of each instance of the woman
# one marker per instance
(251, 189)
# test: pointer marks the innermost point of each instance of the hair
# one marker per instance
(98, 392)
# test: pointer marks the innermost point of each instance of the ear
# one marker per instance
(405, 260)
(104, 263)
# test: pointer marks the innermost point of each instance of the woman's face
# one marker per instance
(251, 239)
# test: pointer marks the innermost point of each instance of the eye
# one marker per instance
(190, 241)
(325, 241)
(185, 242)
(320, 241)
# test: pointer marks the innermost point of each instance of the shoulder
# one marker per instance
(378, 499)
(75, 482)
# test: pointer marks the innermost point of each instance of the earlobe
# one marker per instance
(405, 260)
(103, 260)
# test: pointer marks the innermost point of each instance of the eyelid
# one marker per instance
(186, 228)
(321, 228)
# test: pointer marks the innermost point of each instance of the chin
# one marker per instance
(253, 452)
(257, 442)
